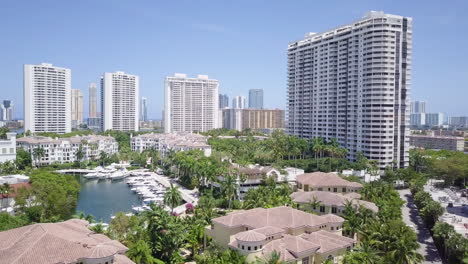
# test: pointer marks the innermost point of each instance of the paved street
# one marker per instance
(411, 217)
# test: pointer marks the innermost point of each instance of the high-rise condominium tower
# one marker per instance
(119, 101)
(256, 98)
(418, 107)
(223, 101)
(352, 83)
(190, 104)
(238, 102)
(6, 110)
(76, 107)
(47, 106)
(144, 109)
(92, 101)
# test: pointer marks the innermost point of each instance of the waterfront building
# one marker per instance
(298, 237)
(6, 111)
(93, 112)
(329, 182)
(238, 102)
(76, 108)
(190, 104)
(418, 107)
(47, 98)
(8, 148)
(330, 202)
(63, 150)
(437, 142)
(255, 119)
(223, 101)
(352, 83)
(256, 98)
(144, 110)
(119, 101)
(164, 143)
(434, 119)
(64, 242)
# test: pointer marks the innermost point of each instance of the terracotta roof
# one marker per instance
(280, 217)
(269, 230)
(331, 199)
(334, 218)
(328, 241)
(321, 179)
(353, 195)
(15, 188)
(290, 247)
(62, 242)
(250, 236)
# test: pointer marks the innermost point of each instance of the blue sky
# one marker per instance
(240, 43)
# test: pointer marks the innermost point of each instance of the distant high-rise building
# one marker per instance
(223, 101)
(93, 113)
(120, 101)
(418, 107)
(417, 120)
(47, 96)
(240, 119)
(256, 98)
(352, 83)
(6, 110)
(190, 104)
(76, 108)
(238, 102)
(459, 121)
(434, 119)
(144, 109)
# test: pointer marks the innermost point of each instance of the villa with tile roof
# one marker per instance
(298, 236)
(65, 242)
(321, 181)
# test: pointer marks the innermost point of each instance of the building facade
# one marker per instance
(459, 121)
(417, 120)
(144, 109)
(190, 104)
(76, 108)
(256, 98)
(434, 119)
(6, 110)
(8, 148)
(223, 101)
(352, 83)
(437, 142)
(238, 102)
(256, 119)
(120, 101)
(418, 107)
(47, 98)
(93, 111)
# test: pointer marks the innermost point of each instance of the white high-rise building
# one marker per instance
(190, 104)
(47, 96)
(76, 108)
(92, 101)
(434, 119)
(352, 83)
(6, 110)
(144, 109)
(418, 107)
(119, 101)
(238, 102)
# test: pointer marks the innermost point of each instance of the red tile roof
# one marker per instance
(322, 179)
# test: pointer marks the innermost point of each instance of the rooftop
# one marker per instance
(322, 179)
(332, 199)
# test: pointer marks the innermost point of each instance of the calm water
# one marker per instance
(104, 198)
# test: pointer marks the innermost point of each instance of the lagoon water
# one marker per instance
(104, 198)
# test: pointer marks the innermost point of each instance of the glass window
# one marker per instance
(322, 209)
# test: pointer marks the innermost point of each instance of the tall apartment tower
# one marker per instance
(6, 110)
(418, 107)
(144, 109)
(352, 83)
(92, 101)
(190, 104)
(238, 102)
(223, 101)
(119, 101)
(47, 96)
(76, 108)
(256, 98)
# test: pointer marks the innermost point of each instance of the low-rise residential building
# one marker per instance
(329, 182)
(322, 202)
(65, 242)
(164, 143)
(298, 236)
(437, 142)
(8, 148)
(63, 150)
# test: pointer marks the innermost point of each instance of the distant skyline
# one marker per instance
(243, 44)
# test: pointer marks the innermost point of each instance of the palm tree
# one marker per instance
(273, 258)
(229, 187)
(140, 253)
(442, 232)
(363, 254)
(314, 203)
(38, 153)
(79, 154)
(172, 197)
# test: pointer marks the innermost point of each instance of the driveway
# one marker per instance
(411, 217)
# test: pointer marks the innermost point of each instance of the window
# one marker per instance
(344, 190)
(255, 248)
(335, 189)
(305, 260)
(248, 248)
(243, 247)
(333, 210)
(322, 209)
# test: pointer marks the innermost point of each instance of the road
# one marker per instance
(411, 217)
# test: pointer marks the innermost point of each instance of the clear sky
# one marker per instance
(240, 43)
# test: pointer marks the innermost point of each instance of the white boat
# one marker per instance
(118, 175)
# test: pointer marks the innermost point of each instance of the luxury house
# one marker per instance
(329, 182)
(298, 236)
